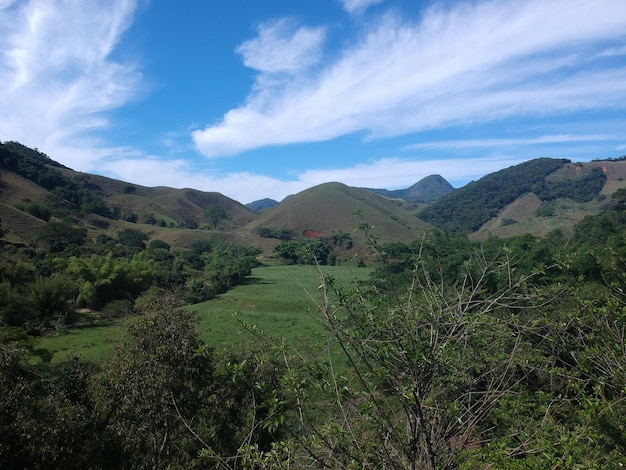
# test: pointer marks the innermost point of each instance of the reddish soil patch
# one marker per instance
(313, 234)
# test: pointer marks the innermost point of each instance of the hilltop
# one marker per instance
(330, 207)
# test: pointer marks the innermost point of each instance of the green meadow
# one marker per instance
(276, 301)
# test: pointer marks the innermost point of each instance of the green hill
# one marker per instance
(35, 189)
(330, 207)
(535, 197)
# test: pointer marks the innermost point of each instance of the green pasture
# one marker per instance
(90, 342)
(278, 301)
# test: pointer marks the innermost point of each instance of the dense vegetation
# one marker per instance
(459, 355)
(317, 250)
(42, 288)
(468, 208)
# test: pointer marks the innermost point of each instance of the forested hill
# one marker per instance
(34, 189)
(468, 208)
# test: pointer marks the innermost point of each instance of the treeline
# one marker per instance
(42, 286)
(313, 250)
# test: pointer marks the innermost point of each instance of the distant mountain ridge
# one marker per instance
(428, 189)
(531, 197)
(535, 197)
(261, 204)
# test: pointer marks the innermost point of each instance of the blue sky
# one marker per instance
(267, 98)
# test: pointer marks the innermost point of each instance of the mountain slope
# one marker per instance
(261, 204)
(330, 207)
(31, 183)
(533, 197)
(469, 207)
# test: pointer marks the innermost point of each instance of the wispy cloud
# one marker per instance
(358, 6)
(474, 62)
(282, 47)
(613, 51)
(503, 143)
(57, 74)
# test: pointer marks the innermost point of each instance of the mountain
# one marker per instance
(536, 197)
(330, 207)
(35, 189)
(261, 204)
(429, 189)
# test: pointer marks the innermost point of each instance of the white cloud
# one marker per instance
(395, 173)
(358, 6)
(56, 74)
(475, 62)
(389, 173)
(613, 51)
(283, 48)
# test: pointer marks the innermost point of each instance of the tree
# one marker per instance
(133, 238)
(102, 279)
(61, 236)
(170, 404)
(428, 366)
(158, 379)
(39, 428)
(215, 214)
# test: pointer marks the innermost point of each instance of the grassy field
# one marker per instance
(278, 300)
(91, 343)
(275, 300)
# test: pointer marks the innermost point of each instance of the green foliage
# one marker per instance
(102, 279)
(468, 208)
(39, 428)
(157, 244)
(40, 210)
(159, 376)
(190, 224)
(224, 266)
(428, 363)
(546, 209)
(281, 233)
(215, 214)
(60, 236)
(582, 189)
(303, 251)
(133, 238)
(52, 300)
(165, 399)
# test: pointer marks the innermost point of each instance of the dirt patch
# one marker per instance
(313, 234)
